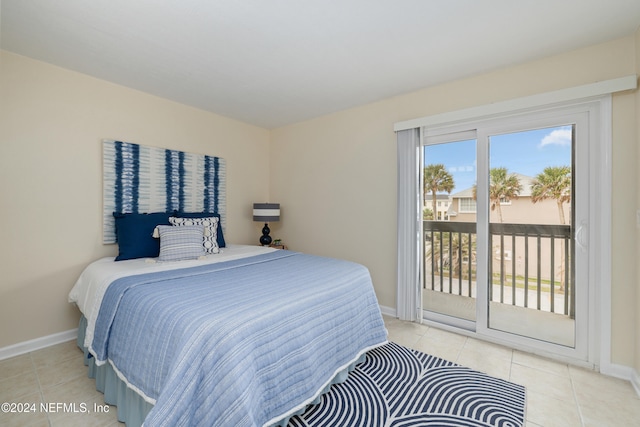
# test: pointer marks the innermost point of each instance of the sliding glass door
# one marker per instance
(531, 285)
(449, 228)
(503, 230)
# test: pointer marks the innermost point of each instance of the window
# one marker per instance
(467, 205)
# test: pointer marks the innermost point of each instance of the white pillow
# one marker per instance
(210, 224)
(180, 243)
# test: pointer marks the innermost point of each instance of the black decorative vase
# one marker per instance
(265, 239)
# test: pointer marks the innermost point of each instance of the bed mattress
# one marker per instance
(246, 339)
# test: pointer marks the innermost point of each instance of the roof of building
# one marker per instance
(525, 181)
(438, 197)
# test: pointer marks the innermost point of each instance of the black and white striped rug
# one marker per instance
(397, 386)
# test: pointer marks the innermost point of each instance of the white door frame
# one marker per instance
(600, 163)
(598, 342)
(587, 119)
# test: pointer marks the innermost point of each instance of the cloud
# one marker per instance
(560, 137)
(454, 169)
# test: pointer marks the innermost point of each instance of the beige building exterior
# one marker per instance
(532, 254)
(443, 201)
(520, 210)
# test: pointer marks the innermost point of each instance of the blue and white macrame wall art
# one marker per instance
(140, 179)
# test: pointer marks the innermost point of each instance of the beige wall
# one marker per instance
(52, 122)
(623, 221)
(636, 193)
(335, 176)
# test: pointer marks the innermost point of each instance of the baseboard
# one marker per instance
(635, 382)
(60, 337)
(37, 343)
(388, 311)
(624, 373)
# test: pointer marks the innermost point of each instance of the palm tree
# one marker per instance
(554, 183)
(463, 246)
(454, 247)
(502, 187)
(437, 179)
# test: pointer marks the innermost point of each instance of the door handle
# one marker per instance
(581, 237)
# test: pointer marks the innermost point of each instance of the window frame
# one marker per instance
(465, 210)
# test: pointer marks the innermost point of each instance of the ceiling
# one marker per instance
(277, 62)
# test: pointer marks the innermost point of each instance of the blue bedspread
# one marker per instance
(239, 343)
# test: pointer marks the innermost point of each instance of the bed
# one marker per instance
(247, 336)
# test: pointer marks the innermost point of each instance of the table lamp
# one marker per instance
(266, 212)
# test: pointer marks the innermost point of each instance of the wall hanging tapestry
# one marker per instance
(140, 179)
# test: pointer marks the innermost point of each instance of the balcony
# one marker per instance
(531, 268)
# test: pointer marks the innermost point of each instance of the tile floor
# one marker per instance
(557, 394)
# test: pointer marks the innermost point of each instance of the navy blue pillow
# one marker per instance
(134, 234)
(220, 236)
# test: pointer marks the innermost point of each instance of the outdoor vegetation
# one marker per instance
(451, 252)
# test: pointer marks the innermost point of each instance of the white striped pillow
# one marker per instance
(180, 243)
(210, 241)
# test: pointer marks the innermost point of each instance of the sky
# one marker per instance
(527, 153)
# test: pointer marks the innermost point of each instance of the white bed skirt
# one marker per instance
(132, 408)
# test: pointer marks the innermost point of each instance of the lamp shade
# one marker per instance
(266, 212)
